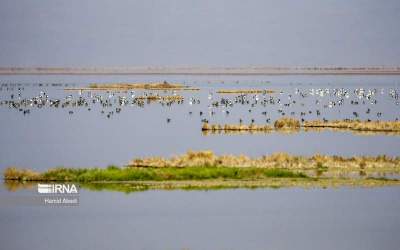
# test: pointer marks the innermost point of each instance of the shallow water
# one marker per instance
(48, 136)
(287, 218)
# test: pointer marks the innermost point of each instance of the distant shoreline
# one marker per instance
(201, 71)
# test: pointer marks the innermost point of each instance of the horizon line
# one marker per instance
(202, 70)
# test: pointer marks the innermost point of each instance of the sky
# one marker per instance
(105, 33)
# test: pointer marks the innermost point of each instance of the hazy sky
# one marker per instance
(194, 32)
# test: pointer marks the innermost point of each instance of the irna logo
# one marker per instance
(57, 189)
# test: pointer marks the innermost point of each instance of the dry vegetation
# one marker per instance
(281, 124)
(129, 86)
(379, 126)
(163, 85)
(287, 123)
(204, 169)
(238, 132)
(245, 91)
(146, 86)
(157, 97)
(277, 160)
(240, 127)
(13, 173)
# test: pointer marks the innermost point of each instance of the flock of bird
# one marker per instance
(316, 103)
(313, 101)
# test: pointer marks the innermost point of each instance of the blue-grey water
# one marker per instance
(75, 136)
(82, 33)
(344, 218)
(288, 218)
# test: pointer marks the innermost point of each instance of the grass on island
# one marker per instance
(204, 169)
(234, 132)
(287, 123)
(114, 173)
(358, 125)
(273, 161)
(146, 86)
(128, 86)
(245, 91)
(240, 127)
(157, 97)
(157, 85)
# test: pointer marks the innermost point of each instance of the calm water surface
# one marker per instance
(288, 218)
(344, 218)
(49, 137)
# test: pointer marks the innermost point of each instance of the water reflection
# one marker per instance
(320, 179)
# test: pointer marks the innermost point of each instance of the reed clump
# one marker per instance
(276, 160)
(358, 125)
(287, 123)
(240, 127)
(291, 124)
(241, 132)
(13, 173)
(245, 91)
(151, 86)
(157, 97)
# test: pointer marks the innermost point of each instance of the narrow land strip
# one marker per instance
(259, 70)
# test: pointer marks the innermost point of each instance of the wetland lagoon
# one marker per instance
(292, 162)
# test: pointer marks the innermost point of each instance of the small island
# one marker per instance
(204, 169)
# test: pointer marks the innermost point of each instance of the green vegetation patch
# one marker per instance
(149, 174)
